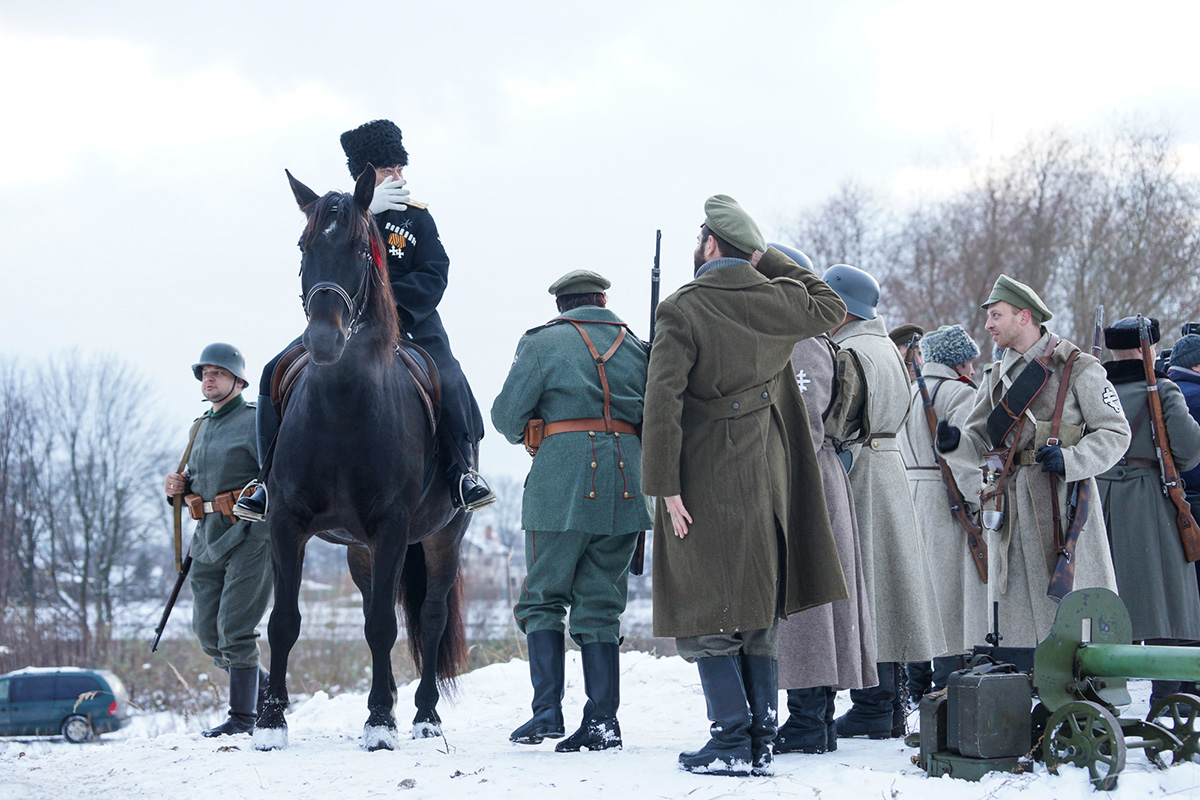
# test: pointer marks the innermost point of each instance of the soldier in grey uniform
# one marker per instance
(947, 355)
(1156, 581)
(231, 560)
(1092, 437)
(899, 581)
(583, 507)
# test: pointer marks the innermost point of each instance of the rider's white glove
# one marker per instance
(389, 196)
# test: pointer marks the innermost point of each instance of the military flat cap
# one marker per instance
(1124, 335)
(901, 335)
(580, 281)
(1019, 295)
(727, 219)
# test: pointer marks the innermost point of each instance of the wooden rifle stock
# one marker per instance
(1062, 581)
(179, 579)
(958, 507)
(638, 564)
(1172, 485)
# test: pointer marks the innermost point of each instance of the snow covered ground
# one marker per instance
(662, 712)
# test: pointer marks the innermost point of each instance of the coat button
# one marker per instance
(593, 465)
(591, 433)
(626, 495)
(736, 406)
(591, 494)
(621, 464)
(618, 435)
(764, 395)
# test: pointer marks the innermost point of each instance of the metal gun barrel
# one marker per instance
(1152, 662)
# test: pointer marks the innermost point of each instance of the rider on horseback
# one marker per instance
(418, 269)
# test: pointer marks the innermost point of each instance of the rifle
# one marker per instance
(179, 579)
(1172, 486)
(639, 551)
(1063, 579)
(958, 508)
(1098, 332)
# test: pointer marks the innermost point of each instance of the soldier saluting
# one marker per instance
(1044, 437)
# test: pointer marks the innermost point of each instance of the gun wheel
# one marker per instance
(1180, 714)
(1087, 735)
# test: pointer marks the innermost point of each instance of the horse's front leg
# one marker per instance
(287, 555)
(388, 549)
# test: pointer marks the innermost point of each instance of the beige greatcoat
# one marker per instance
(962, 595)
(899, 582)
(726, 429)
(1021, 554)
(833, 644)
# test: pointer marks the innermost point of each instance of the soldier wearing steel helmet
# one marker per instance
(899, 581)
(231, 560)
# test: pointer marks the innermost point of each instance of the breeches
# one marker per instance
(763, 642)
(230, 597)
(588, 572)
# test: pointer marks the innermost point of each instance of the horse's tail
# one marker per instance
(452, 649)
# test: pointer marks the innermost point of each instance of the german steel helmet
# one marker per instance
(858, 290)
(222, 355)
(794, 255)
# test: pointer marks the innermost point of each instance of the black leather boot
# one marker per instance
(468, 489)
(873, 712)
(243, 703)
(547, 658)
(760, 676)
(830, 725)
(919, 681)
(728, 750)
(254, 506)
(602, 683)
(806, 729)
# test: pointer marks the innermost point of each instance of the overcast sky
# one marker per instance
(145, 210)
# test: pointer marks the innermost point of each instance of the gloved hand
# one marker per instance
(948, 436)
(1050, 456)
(389, 195)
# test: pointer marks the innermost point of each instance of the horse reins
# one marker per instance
(355, 304)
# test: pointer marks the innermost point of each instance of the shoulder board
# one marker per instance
(415, 204)
(549, 324)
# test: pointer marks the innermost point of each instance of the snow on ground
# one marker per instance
(662, 712)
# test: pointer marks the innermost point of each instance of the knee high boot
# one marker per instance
(806, 729)
(874, 710)
(830, 724)
(243, 703)
(760, 676)
(728, 750)
(266, 419)
(601, 682)
(547, 663)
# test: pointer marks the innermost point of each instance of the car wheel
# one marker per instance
(77, 729)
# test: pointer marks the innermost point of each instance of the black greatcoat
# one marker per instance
(418, 269)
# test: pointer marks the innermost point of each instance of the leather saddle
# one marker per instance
(420, 366)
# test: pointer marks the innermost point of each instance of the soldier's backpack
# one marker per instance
(846, 422)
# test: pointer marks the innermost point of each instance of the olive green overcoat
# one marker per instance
(725, 428)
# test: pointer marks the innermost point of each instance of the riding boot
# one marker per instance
(254, 507)
(243, 702)
(602, 684)
(873, 713)
(830, 724)
(806, 730)
(468, 489)
(760, 676)
(728, 751)
(547, 662)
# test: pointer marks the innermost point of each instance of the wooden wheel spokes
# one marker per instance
(1180, 714)
(1086, 735)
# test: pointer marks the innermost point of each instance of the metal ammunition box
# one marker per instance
(989, 714)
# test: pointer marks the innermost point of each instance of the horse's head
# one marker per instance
(343, 276)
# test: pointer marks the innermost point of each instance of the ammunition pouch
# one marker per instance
(195, 505)
(535, 431)
(1019, 397)
(222, 504)
(994, 463)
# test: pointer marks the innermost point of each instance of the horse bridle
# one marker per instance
(355, 304)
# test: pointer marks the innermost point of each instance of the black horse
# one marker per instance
(352, 465)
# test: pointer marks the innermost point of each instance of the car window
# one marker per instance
(4, 691)
(69, 687)
(32, 689)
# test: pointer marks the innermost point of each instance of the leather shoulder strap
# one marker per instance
(601, 360)
(1063, 388)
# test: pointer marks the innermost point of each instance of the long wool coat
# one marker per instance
(1021, 556)
(834, 644)
(725, 428)
(899, 582)
(1157, 583)
(961, 594)
(578, 481)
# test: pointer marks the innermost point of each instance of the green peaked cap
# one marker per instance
(1013, 291)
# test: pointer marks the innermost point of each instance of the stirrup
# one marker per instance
(480, 502)
(243, 511)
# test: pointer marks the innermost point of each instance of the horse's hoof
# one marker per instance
(269, 738)
(380, 737)
(427, 730)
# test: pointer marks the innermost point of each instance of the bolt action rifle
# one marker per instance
(182, 564)
(179, 581)
(958, 508)
(639, 552)
(1172, 486)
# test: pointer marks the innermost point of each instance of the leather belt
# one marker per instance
(935, 469)
(1144, 463)
(874, 439)
(595, 425)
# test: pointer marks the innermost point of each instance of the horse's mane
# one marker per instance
(383, 323)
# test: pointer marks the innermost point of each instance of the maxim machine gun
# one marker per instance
(984, 721)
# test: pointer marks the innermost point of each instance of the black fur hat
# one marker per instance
(377, 143)
(1123, 334)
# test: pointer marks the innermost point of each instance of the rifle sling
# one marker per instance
(177, 500)
(1060, 543)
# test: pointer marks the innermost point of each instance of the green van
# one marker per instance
(77, 703)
